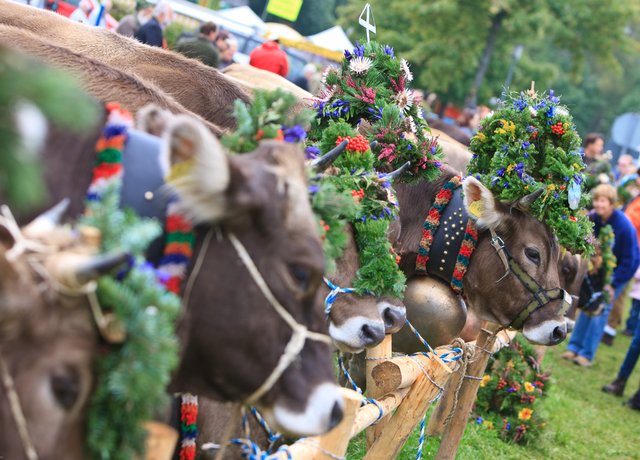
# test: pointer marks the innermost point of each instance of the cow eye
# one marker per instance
(66, 387)
(533, 255)
(301, 275)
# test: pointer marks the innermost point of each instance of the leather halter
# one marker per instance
(541, 296)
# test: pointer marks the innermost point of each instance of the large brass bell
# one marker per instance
(434, 310)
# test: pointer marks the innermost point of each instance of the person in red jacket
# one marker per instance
(269, 56)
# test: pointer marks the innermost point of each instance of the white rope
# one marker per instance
(16, 411)
(300, 332)
(21, 243)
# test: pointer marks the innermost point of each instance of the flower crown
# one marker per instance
(530, 144)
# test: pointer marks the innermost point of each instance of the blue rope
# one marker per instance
(271, 436)
(333, 295)
(421, 440)
(353, 384)
(456, 352)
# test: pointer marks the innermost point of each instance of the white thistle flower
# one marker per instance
(326, 93)
(360, 64)
(404, 100)
(412, 124)
(404, 65)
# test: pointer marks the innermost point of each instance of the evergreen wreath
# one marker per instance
(132, 376)
(372, 85)
(530, 144)
(606, 239)
(510, 394)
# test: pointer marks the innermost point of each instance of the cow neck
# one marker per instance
(449, 237)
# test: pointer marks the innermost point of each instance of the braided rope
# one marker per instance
(333, 295)
(353, 384)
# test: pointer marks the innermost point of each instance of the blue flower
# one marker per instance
(479, 420)
(520, 104)
(494, 180)
(389, 51)
(541, 105)
(526, 144)
(438, 164)
(530, 129)
(294, 134)
(313, 189)
(577, 179)
(511, 390)
(347, 55)
(526, 155)
(500, 172)
(552, 97)
(551, 111)
(520, 169)
(376, 112)
(409, 146)
(556, 196)
(506, 185)
(566, 178)
(358, 51)
(508, 427)
(505, 147)
(312, 152)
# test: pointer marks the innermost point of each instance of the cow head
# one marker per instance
(47, 338)
(494, 292)
(232, 337)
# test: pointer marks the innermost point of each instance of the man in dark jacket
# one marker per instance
(131, 23)
(151, 32)
(202, 46)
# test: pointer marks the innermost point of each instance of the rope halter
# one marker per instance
(333, 295)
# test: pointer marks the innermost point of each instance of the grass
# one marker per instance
(582, 421)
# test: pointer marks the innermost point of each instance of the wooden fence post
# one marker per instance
(455, 428)
(374, 355)
(444, 405)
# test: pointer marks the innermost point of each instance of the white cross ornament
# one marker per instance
(364, 22)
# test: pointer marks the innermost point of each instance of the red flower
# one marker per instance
(279, 135)
(558, 128)
(259, 134)
(357, 195)
(573, 218)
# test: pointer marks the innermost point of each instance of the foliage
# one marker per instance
(28, 91)
(121, 8)
(372, 86)
(354, 174)
(531, 144)
(588, 50)
(132, 377)
(173, 32)
(606, 238)
(315, 15)
(509, 396)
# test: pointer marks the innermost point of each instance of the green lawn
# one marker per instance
(583, 422)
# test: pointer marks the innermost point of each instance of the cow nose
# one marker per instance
(394, 319)
(336, 416)
(559, 334)
(371, 334)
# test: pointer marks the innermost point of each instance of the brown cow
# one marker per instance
(199, 88)
(103, 82)
(489, 294)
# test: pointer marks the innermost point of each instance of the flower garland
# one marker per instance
(510, 394)
(530, 144)
(606, 239)
(372, 85)
(132, 376)
(178, 248)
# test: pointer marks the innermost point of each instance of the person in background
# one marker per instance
(625, 167)
(82, 13)
(226, 54)
(309, 80)
(269, 56)
(593, 148)
(131, 23)
(201, 47)
(98, 16)
(588, 330)
(151, 33)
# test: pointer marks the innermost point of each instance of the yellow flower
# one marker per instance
(481, 137)
(488, 424)
(508, 127)
(485, 380)
(528, 387)
(525, 414)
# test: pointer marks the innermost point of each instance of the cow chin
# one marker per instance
(549, 332)
(322, 412)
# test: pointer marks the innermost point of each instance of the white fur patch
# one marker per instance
(202, 187)
(542, 334)
(474, 191)
(316, 418)
(348, 336)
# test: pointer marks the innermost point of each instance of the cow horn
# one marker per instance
(99, 265)
(393, 175)
(524, 203)
(46, 221)
(325, 160)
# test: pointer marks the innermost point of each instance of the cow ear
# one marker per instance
(153, 119)
(198, 169)
(480, 203)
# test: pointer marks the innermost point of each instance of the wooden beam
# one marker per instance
(367, 415)
(410, 411)
(374, 355)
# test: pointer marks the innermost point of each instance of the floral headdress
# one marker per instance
(530, 144)
(372, 86)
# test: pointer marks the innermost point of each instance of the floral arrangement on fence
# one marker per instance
(132, 376)
(372, 86)
(606, 239)
(530, 144)
(509, 395)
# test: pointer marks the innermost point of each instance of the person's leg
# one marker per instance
(576, 342)
(634, 315)
(594, 334)
(632, 355)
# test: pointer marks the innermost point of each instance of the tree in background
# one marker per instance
(587, 49)
(315, 15)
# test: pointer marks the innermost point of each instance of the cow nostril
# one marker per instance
(371, 334)
(336, 415)
(559, 334)
(393, 318)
